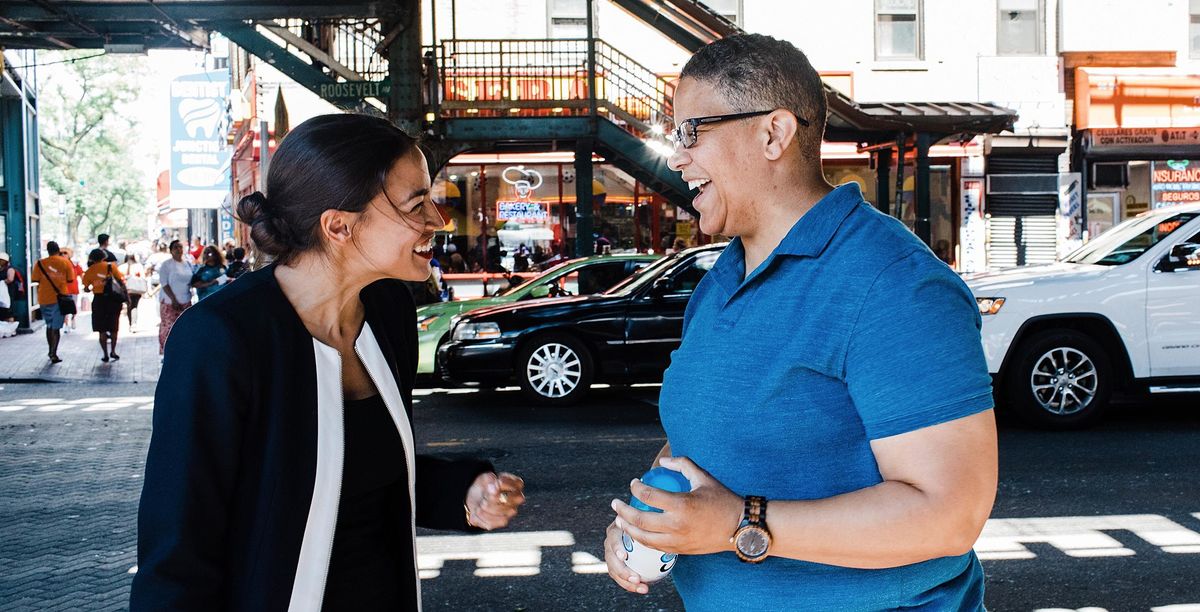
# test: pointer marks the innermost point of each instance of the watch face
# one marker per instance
(753, 542)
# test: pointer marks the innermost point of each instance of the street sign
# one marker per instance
(354, 90)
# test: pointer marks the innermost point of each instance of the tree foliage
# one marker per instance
(89, 131)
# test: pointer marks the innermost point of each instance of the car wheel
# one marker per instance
(555, 369)
(1062, 379)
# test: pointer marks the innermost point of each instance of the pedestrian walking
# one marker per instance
(73, 291)
(135, 281)
(52, 274)
(5, 308)
(237, 265)
(104, 279)
(857, 465)
(209, 277)
(295, 484)
(102, 243)
(196, 250)
(175, 291)
(14, 284)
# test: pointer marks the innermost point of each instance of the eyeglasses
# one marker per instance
(686, 132)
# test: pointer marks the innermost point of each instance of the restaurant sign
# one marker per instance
(521, 211)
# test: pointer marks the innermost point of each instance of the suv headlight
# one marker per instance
(989, 305)
(426, 321)
(476, 331)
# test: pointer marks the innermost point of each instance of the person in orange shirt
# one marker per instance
(53, 274)
(72, 290)
(106, 309)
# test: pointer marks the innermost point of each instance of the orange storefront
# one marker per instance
(1139, 140)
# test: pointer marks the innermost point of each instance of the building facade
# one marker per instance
(20, 202)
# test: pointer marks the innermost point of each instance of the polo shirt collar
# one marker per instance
(810, 235)
(807, 238)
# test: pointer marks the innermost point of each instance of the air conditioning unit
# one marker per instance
(1109, 175)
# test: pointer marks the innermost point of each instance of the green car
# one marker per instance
(583, 276)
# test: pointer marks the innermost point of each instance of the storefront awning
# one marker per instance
(875, 122)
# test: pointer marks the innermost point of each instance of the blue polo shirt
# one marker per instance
(849, 332)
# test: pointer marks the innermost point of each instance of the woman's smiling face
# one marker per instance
(395, 232)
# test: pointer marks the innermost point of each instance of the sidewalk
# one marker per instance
(23, 358)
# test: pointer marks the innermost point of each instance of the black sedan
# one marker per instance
(557, 348)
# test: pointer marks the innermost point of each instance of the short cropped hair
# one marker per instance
(757, 72)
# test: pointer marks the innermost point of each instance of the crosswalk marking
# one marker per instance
(1082, 536)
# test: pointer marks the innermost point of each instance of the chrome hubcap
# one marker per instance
(1064, 381)
(554, 370)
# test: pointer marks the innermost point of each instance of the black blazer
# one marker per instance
(232, 461)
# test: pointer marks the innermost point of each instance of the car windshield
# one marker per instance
(646, 275)
(539, 277)
(1127, 241)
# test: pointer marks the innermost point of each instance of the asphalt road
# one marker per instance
(1107, 519)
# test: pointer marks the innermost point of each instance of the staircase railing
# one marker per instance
(549, 77)
(343, 48)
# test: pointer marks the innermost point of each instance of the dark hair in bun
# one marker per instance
(330, 162)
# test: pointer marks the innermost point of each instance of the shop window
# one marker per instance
(1194, 28)
(1019, 27)
(568, 18)
(898, 26)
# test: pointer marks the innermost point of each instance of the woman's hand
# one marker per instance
(492, 500)
(695, 523)
(616, 556)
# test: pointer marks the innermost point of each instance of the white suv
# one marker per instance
(1122, 312)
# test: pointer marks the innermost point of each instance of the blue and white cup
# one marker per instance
(653, 565)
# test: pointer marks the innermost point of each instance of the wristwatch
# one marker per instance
(752, 539)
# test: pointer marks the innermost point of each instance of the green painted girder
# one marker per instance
(245, 36)
(90, 11)
(496, 129)
(620, 148)
(657, 20)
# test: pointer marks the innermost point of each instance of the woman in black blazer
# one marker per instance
(281, 473)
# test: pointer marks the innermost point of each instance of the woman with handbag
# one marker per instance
(136, 283)
(109, 294)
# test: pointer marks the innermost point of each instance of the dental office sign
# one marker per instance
(199, 156)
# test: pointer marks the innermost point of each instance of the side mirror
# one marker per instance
(660, 288)
(1183, 255)
(539, 291)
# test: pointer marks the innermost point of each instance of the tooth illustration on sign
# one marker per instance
(201, 116)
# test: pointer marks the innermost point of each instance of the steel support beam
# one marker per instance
(405, 106)
(647, 13)
(883, 187)
(247, 37)
(311, 50)
(214, 10)
(923, 228)
(584, 245)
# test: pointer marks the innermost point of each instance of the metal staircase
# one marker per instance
(497, 91)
